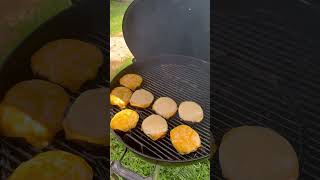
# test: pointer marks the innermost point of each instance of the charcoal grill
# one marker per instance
(173, 63)
(265, 73)
(85, 21)
(180, 78)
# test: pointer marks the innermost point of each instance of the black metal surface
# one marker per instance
(180, 27)
(181, 78)
(72, 23)
(297, 15)
(125, 173)
(266, 74)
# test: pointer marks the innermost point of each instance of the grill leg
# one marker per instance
(124, 153)
(113, 175)
(117, 168)
(156, 172)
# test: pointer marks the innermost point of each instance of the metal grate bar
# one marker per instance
(254, 41)
(256, 100)
(252, 61)
(251, 67)
(256, 114)
(278, 44)
(172, 89)
(276, 62)
(143, 146)
(257, 84)
(281, 37)
(154, 146)
(249, 103)
(181, 98)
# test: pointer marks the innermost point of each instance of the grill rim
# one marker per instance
(145, 61)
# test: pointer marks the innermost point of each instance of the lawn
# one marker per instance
(197, 171)
(117, 10)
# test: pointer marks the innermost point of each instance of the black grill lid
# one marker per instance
(155, 27)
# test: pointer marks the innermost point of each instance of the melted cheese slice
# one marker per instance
(124, 120)
(43, 102)
(184, 139)
(120, 96)
(15, 123)
(54, 165)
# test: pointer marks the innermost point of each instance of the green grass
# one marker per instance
(117, 10)
(197, 171)
(126, 63)
(130, 161)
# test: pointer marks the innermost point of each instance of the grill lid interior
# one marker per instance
(157, 27)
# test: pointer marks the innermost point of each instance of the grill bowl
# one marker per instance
(181, 78)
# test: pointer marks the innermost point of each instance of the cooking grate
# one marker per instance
(180, 81)
(13, 152)
(264, 73)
